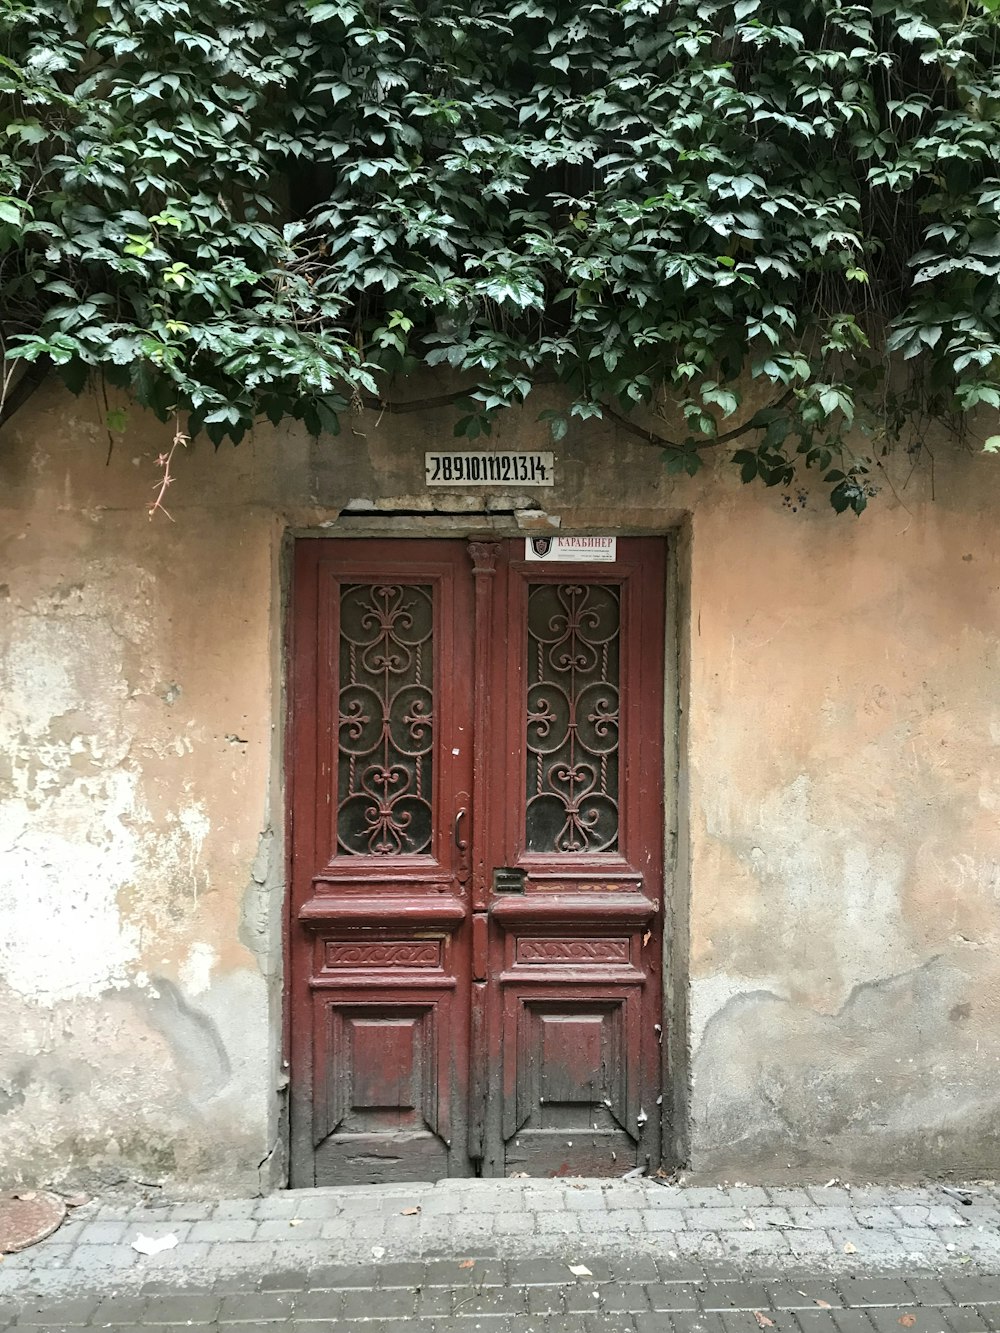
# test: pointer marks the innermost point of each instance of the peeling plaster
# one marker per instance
(841, 835)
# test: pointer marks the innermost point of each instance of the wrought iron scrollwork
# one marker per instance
(386, 719)
(572, 717)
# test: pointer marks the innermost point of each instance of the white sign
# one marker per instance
(486, 468)
(594, 550)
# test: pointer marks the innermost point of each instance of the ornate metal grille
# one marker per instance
(572, 717)
(386, 719)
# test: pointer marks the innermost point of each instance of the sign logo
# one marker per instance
(572, 550)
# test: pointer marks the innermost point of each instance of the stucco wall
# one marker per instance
(838, 883)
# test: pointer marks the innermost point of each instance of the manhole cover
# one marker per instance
(27, 1218)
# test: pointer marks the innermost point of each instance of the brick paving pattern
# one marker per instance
(496, 1257)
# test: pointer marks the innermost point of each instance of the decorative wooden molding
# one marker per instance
(590, 951)
(383, 954)
(484, 557)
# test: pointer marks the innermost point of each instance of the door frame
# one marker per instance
(675, 1075)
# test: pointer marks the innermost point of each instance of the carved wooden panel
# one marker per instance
(569, 1071)
(592, 952)
(377, 1076)
(387, 954)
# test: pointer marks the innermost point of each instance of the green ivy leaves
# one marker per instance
(273, 209)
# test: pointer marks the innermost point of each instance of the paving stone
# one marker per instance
(469, 1324)
(701, 1244)
(967, 1290)
(625, 1196)
(826, 1219)
(928, 1291)
(586, 1201)
(255, 1307)
(970, 1318)
(627, 1296)
(101, 1257)
(809, 1242)
(539, 1272)
(769, 1243)
(491, 1301)
(544, 1300)
(214, 1232)
(677, 1268)
(237, 1210)
(672, 1296)
(663, 1222)
(515, 1224)
(726, 1218)
(288, 1229)
(745, 1321)
(787, 1196)
(802, 1295)
(882, 1244)
(635, 1268)
(181, 1308)
(71, 1313)
(451, 1273)
(243, 1255)
(391, 1303)
(610, 1323)
(831, 1196)
(310, 1306)
(286, 1279)
(734, 1296)
(322, 1207)
(879, 1291)
(434, 1301)
(747, 1196)
(840, 1321)
(553, 1323)
(337, 1228)
(114, 1310)
(554, 1202)
(190, 1212)
(97, 1233)
(683, 1322)
(699, 1197)
(220, 1284)
(927, 1320)
(667, 1196)
(583, 1299)
(343, 1275)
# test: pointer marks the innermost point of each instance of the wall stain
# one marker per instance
(202, 1061)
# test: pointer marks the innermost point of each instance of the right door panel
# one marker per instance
(575, 843)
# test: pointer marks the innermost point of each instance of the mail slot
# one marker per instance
(508, 879)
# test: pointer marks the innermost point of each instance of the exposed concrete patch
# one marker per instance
(862, 1091)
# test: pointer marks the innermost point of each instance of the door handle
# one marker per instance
(461, 845)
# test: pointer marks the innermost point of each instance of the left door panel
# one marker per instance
(380, 751)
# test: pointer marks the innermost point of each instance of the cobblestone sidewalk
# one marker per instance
(500, 1257)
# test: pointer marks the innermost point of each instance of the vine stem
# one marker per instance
(167, 478)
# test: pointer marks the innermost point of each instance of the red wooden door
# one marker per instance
(477, 843)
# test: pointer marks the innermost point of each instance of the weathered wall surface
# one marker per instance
(839, 767)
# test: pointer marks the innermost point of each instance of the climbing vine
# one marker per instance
(284, 208)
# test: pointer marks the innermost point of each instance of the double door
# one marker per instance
(476, 811)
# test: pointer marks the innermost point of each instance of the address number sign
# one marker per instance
(487, 468)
